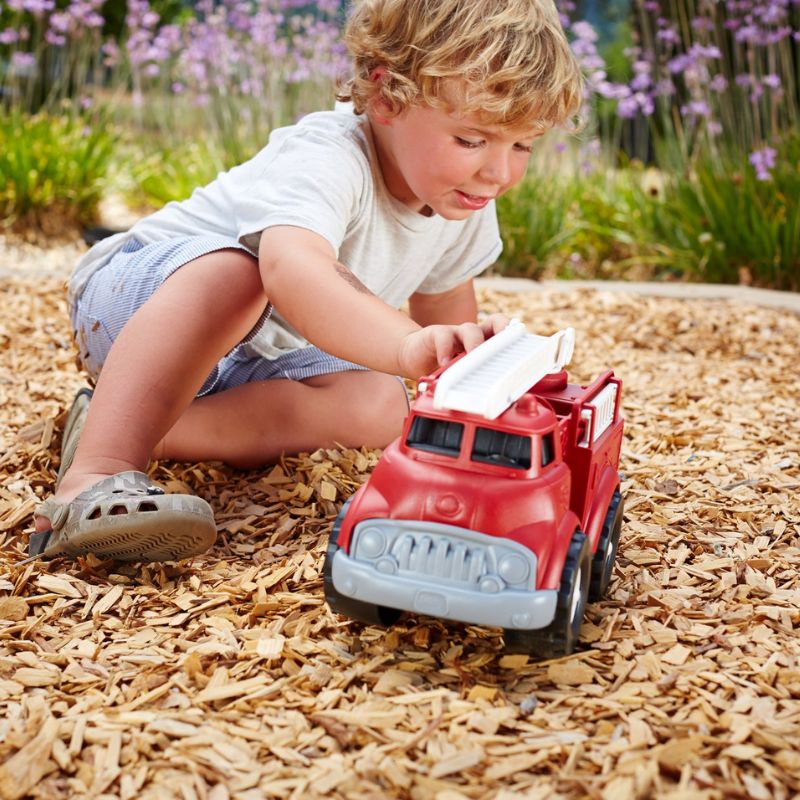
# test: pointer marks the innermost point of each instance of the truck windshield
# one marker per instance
(503, 449)
(436, 435)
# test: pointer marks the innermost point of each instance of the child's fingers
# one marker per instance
(471, 335)
(493, 324)
(450, 341)
(445, 344)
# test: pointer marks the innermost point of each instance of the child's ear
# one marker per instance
(382, 109)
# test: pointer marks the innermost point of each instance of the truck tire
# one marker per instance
(369, 613)
(561, 635)
(606, 553)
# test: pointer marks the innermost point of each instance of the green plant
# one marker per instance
(173, 173)
(578, 218)
(535, 224)
(725, 225)
(52, 169)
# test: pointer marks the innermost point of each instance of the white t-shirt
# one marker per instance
(322, 174)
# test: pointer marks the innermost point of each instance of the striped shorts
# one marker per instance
(117, 290)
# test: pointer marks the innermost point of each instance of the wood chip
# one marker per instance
(22, 771)
(570, 673)
(13, 609)
(228, 676)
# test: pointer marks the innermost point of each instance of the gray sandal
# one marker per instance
(126, 517)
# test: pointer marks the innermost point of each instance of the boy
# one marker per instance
(203, 315)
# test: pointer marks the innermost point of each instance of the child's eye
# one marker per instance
(468, 143)
(526, 148)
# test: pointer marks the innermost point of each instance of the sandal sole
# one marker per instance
(164, 536)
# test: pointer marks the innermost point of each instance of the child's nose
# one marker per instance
(497, 170)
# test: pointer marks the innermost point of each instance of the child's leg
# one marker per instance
(252, 424)
(160, 360)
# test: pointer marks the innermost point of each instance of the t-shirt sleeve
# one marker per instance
(306, 180)
(475, 249)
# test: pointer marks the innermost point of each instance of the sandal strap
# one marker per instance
(56, 512)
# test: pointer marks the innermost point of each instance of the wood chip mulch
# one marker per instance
(228, 676)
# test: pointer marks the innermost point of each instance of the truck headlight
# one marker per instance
(513, 568)
(371, 543)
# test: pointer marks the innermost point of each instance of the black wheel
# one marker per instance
(368, 613)
(561, 635)
(606, 553)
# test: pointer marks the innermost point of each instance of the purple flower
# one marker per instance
(749, 33)
(669, 35)
(703, 24)
(700, 51)
(111, 52)
(680, 63)
(84, 13)
(584, 31)
(627, 108)
(59, 22)
(696, 108)
(664, 88)
(38, 7)
(763, 161)
(23, 61)
(9, 36)
(771, 13)
(771, 80)
(719, 83)
(613, 91)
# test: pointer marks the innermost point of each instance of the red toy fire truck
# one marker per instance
(499, 504)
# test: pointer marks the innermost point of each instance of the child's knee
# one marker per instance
(385, 405)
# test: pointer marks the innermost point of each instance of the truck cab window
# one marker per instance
(435, 435)
(502, 449)
(548, 449)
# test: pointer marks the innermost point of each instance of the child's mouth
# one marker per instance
(471, 201)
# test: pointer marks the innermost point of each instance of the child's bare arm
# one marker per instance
(330, 307)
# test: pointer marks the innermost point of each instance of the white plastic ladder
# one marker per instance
(489, 379)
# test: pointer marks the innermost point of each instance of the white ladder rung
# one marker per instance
(498, 372)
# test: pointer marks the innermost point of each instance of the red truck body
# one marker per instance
(535, 477)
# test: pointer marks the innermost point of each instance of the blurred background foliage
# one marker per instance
(688, 166)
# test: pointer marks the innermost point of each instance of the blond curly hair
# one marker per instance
(510, 59)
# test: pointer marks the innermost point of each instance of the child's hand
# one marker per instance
(425, 350)
(493, 324)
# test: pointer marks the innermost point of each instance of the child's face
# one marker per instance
(452, 164)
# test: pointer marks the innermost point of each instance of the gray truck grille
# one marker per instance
(445, 552)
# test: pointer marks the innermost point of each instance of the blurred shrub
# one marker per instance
(52, 169)
(173, 173)
(724, 224)
(536, 224)
(724, 220)
(572, 217)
